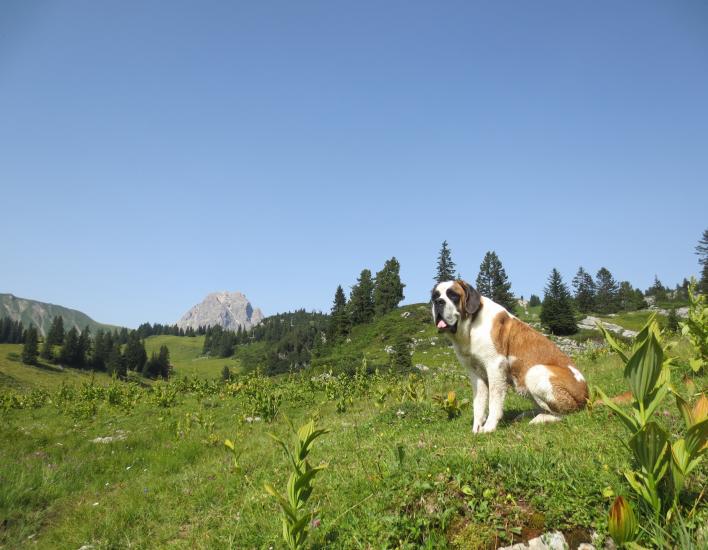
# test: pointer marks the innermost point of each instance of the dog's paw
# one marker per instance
(488, 428)
(476, 428)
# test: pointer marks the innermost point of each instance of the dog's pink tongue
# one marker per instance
(442, 324)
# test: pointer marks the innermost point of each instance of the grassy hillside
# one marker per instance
(400, 475)
(186, 356)
(16, 375)
(41, 314)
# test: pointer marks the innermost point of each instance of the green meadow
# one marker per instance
(399, 474)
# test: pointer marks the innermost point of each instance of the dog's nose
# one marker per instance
(439, 302)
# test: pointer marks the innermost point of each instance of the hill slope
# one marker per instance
(41, 314)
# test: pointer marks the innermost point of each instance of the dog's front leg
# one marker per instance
(497, 393)
(479, 401)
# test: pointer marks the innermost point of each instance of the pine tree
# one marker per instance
(493, 282)
(534, 301)
(388, 288)
(115, 364)
(446, 267)
(672, 321)
(629, 298)
(339, 318)
(30, 350)
(84, 348)
(557, 310)
(702, 253)
(401, 357)
(55, 336)
(607, 292)
(47, 352)
(361, 299)
(657, 290)
(584, 288)
(135, 354)
(69, 353)
(163, 360)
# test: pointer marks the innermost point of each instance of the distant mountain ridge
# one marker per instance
(40, 314)
(229, 310)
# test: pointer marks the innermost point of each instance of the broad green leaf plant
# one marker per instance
(296, 519)
(695, 327)
(662, 463)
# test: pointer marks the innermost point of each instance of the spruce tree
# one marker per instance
(135, 354)
(115, 364)
(493, 282)
(339, 318)
(69, 353)
(702, 253)
(47, 352)
(657, 290)
(446, 267)
(672, 321)
(584, 288)
(629, 298)
(401, 357)
(557, 310)
(607, 292)
(534, 301)
(163, 360)
(84, 348)
(55, 336)
(30, 350)
(361, 299)
(388, 288)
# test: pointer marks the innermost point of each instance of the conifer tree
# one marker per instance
(135, 354)
(672, 321)
(607, 292)
(557, 310)
(30, 350)
(388, 288)
(69, 353)
(493, 282)
(534, 301)
(446, 267)
(115, 364)
(47, 352)
(584, 288)
(163, 360)
(629, 298)
(339, 318)
(84, 348)
(657, 290)
(401, 357)
(55, 336)
(702, 253)
(361, 299)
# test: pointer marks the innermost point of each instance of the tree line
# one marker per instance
(115, 352)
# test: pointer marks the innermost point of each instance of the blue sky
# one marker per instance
(152, 152)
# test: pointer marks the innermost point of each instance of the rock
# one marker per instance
(585, 546)
(119, 436)
(591, 323)
(229, 310)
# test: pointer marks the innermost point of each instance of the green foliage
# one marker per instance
(361, 299)
(30, 350)
(340, 323)
(695, 327)
(295, 517)
(446, 267)
(401, 355)
(492, 281)
(606, 292)
(661, 463)
(450, 404)
(388, 288)
(584, 288)
(534, 301)
(55, 336)
(557, 311)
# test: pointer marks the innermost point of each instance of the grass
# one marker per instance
(15, 374)
(400, 474)
(186, 356)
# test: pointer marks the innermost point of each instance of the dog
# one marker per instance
(497, 349)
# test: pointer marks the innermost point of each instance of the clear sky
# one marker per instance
(152, 152)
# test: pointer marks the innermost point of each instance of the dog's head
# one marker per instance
(453, 301)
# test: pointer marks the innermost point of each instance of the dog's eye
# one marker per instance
(454, 297)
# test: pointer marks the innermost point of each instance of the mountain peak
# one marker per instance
(228, 309)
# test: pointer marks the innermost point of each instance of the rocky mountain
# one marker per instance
(228, 309)
(41, 314)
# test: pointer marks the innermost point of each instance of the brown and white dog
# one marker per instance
(496, 349)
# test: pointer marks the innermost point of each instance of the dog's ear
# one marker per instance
(432, 293)
(473, 299)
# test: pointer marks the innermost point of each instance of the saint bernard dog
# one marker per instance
(496, 349)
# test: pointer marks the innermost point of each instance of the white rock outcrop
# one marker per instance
(230, 310)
